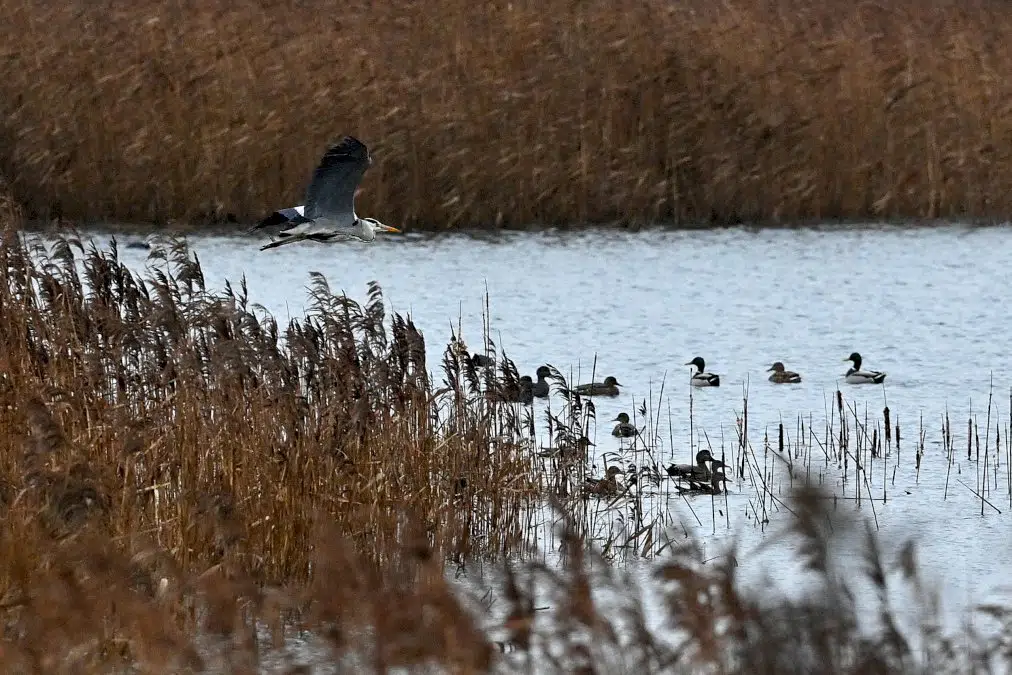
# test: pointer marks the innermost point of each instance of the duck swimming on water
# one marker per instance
(700, 378)
(710, 487)
(520, 392)
(782, 376)
(482, 361)
(568, 450)
(603, 486)
(540, 388)
(857, 376)
(607, 388)
(700, 478)
(624, 429)
(698, 471)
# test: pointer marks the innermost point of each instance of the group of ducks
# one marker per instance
(700, 477)
(529, 389)
(694, 478)
(780, 374)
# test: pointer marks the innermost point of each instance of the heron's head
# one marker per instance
(377, 226)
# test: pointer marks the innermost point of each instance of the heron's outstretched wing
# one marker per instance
(292, 216)
(285, 240)
(303, 236)
(331, 194)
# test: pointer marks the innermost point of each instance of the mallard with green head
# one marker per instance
(701, 378)
(857, 376)
(521, 392)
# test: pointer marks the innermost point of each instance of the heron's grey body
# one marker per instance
(329, 211)
(281, 217)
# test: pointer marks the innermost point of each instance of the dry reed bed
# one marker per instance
(512, 113)
(81, 605)
(159, 410)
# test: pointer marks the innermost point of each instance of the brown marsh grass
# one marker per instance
(156, 409)
(81, 604)
(512, 113)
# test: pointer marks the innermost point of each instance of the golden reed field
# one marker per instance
(519, 112)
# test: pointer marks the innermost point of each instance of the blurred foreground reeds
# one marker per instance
(510, 113)
(82, 604)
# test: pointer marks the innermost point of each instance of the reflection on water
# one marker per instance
(925, 305)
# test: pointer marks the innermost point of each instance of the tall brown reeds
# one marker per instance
(157, 409)
(512, 112)
(82, 605)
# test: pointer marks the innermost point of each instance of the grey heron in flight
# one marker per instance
(329, 210)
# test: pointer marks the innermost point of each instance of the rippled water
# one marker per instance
(926, 305)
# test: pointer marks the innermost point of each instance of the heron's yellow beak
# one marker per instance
(391, 229)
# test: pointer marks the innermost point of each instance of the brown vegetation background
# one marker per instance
(511, 112)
